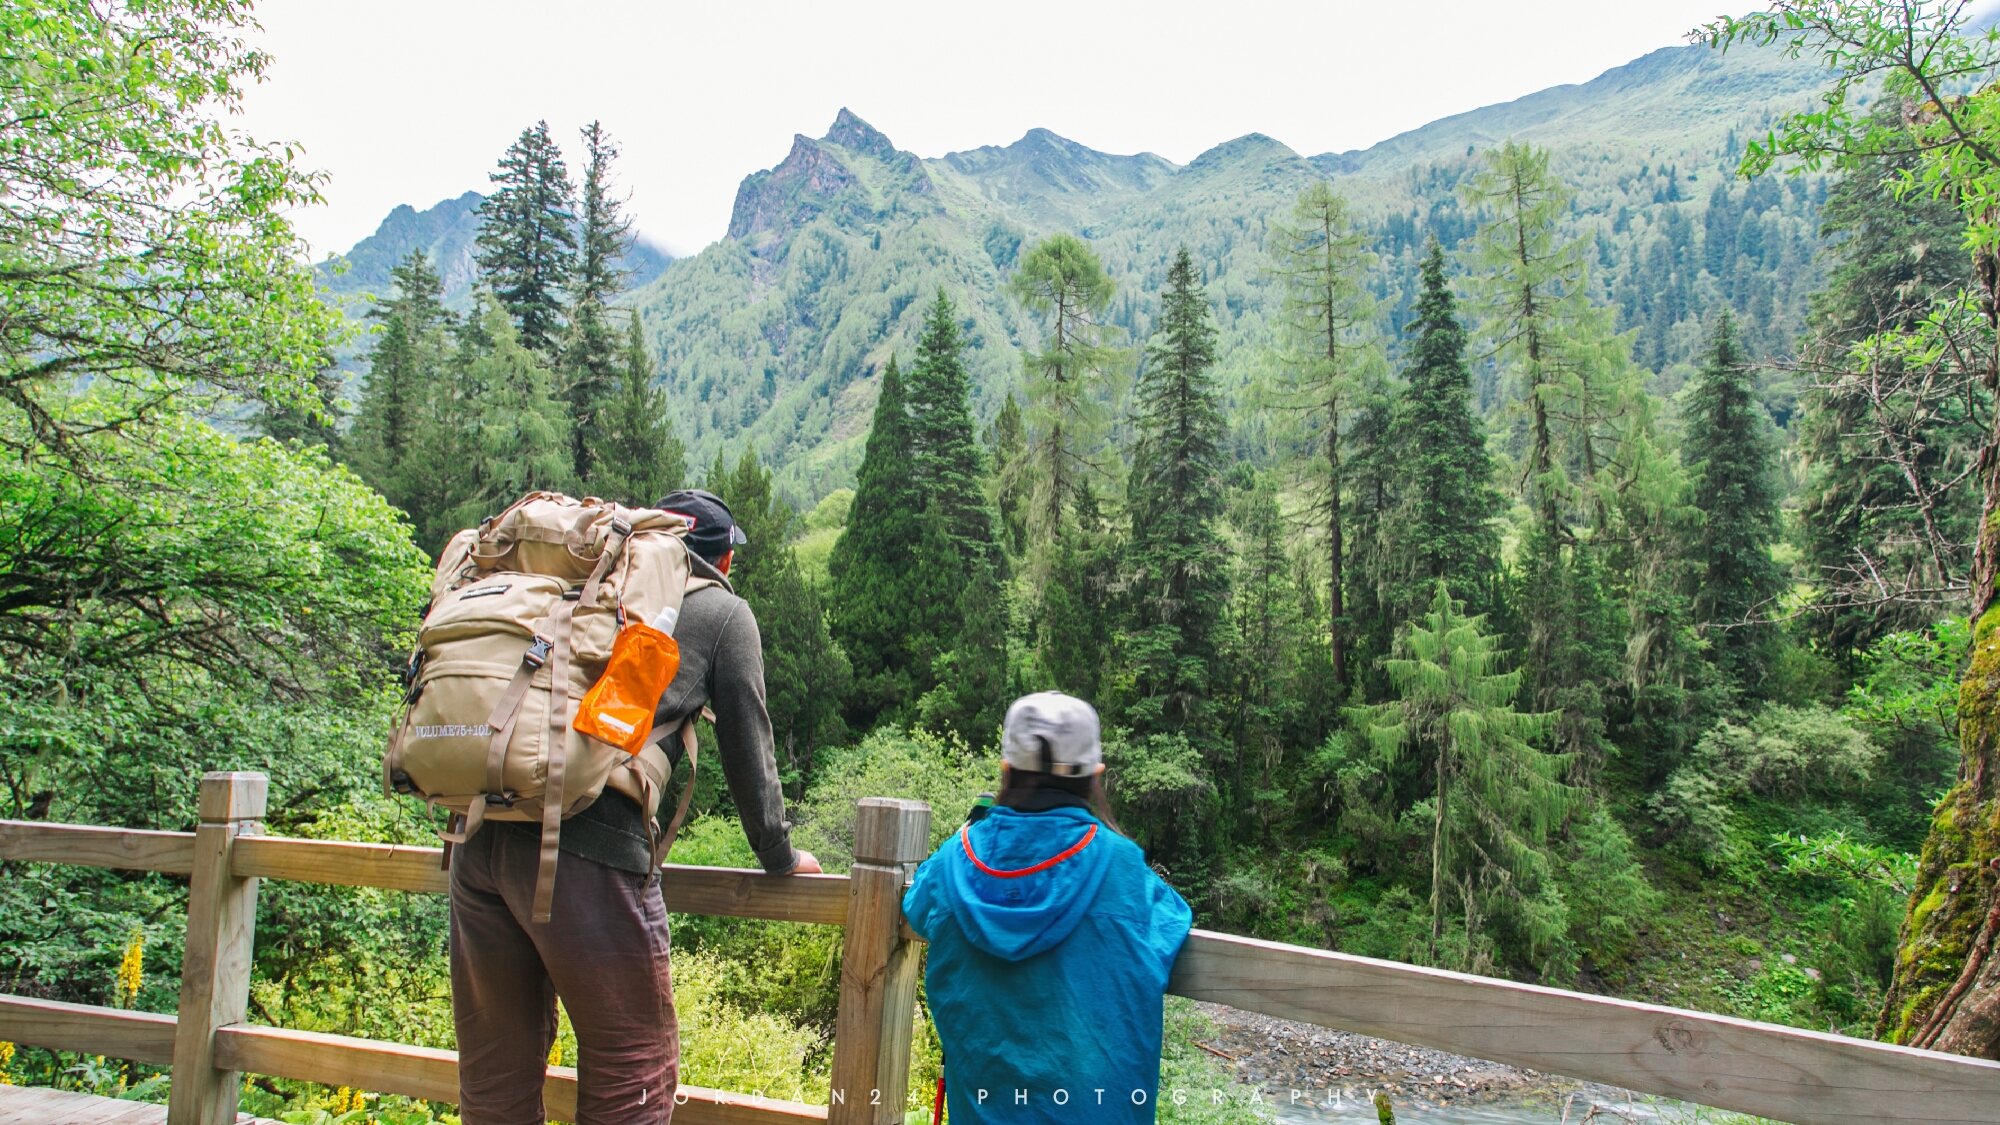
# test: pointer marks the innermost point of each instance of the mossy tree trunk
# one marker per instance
(1946, 991)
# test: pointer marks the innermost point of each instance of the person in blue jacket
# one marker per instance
(1050, 939)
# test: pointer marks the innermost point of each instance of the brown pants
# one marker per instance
(604, 951)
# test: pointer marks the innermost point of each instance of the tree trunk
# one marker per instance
(1337, 546)
(1946, 991)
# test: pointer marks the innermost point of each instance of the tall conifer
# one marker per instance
(1063, 280)
(872, 566)
(523, 431)
(944, 447)
(635, 454)
(407, 361)
(1322, 259)
(805, 673)
(1733, 462)
(591, 360)
(1178, 562)
(526, 245)
(1444, 527)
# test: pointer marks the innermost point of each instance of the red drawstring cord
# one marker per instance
(937, 1110)
(966, 840)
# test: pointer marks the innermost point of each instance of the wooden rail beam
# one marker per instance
(432, 1074)
(723, 891)
(1805, 1077)
(34, 841)
(146, 1037)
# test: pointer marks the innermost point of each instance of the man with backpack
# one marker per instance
(604, 949)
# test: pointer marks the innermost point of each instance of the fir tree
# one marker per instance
(1321, 259)
(592, 363)
(1733, 462)
(1444, 527)
(526, 246)
(872, 566)
(523, 431)
(1178, 580)
(1494, 797)
(944, 448)
(636, 455)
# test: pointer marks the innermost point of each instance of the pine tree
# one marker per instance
(1177, 560)
(592, 363)
(526, 245)
(805, 673)
(1494, 797)
(636, 455)
(1062, 279)
(1733, 461)
(872, 567)
(1321, 259)
(1443, 528)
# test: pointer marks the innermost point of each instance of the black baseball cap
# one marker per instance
(712, 531)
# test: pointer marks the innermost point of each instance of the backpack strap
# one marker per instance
(663, 842)
(552, 794)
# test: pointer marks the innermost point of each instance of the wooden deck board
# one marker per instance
(39, 1105)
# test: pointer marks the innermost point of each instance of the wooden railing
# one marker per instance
(1806, 1077)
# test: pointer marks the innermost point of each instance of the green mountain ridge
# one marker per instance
(776, 334)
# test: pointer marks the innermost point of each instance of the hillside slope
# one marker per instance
(776, 334)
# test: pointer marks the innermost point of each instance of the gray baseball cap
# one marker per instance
(1049, 732)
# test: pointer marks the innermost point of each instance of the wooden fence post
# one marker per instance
(221, 934)
(878, 969)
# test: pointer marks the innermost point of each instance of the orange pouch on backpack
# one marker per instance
(618, 708)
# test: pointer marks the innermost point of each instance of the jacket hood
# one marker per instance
(1014, 916)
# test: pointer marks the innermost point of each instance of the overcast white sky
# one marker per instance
(412, 101)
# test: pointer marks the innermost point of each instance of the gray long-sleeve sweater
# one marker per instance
(722, 667)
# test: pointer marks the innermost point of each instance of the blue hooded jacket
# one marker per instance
(1047, 980)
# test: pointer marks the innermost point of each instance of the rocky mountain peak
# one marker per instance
(850, 132)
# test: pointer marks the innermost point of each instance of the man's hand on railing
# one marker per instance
(807, 865)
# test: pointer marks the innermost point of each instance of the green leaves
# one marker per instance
(144, 244)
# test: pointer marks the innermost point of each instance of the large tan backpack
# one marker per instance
(525, 609)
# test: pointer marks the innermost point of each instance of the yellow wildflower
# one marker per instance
(132, 970)
(6, 1061)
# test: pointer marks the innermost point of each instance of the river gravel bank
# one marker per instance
(1312, 1072)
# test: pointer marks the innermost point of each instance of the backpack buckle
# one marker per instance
(402, 783)
(621, 526)
(500, 800)
(538, 653)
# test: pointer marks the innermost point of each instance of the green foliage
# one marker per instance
(1781, 752)
(147, 244)
(941, 771)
